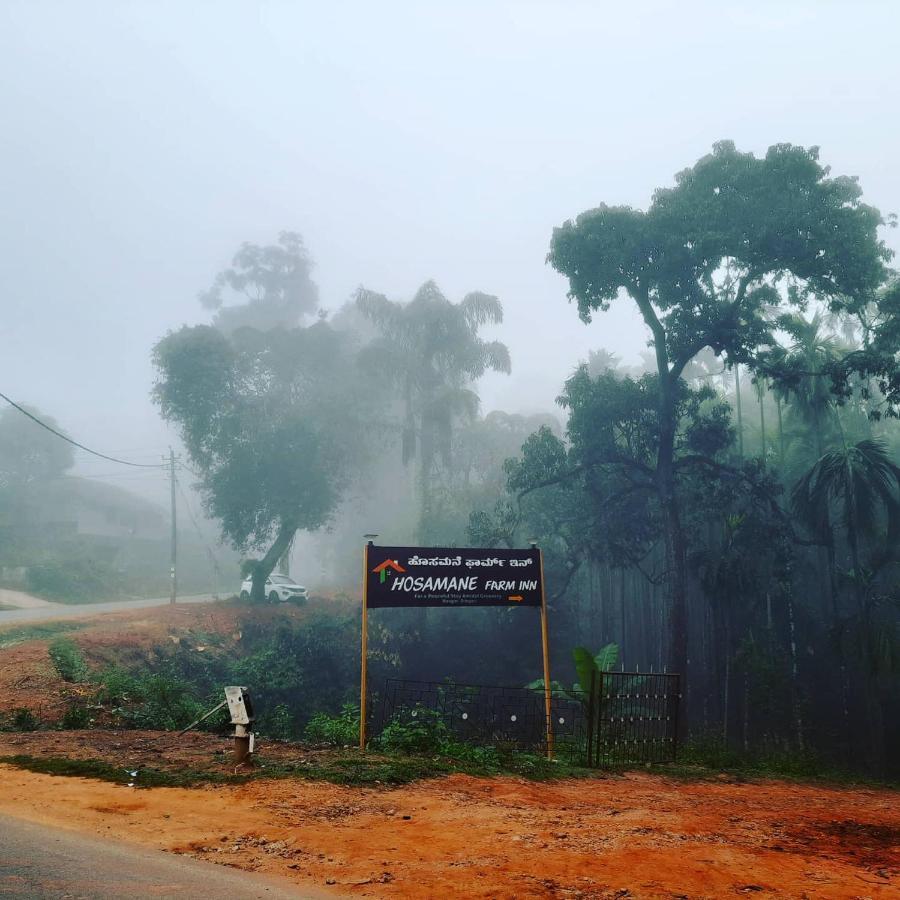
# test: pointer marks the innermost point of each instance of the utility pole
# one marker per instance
(174, 525)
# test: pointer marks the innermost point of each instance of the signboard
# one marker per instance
(441, 576)
(458, 577)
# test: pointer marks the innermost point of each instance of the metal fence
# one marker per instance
(629, 717)
(635, 717)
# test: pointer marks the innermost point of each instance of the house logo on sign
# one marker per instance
(382, 570)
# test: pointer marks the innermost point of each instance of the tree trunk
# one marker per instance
(795, 700)
(740, 417)
(675, 542)
(761, 388)
(284, 564)
(780, 432)
(264, 568)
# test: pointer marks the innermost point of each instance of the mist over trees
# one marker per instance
(728, 508)
(429, 352)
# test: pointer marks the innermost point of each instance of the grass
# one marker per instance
(341, 767)
(35, 632)
(103, 771)
(705, 760)
(351, 768)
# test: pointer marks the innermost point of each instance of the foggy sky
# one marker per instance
(142, 142)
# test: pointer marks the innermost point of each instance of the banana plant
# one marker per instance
(586, 664)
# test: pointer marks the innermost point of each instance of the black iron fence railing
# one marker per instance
(624, 718)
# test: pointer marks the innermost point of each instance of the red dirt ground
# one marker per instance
(633, 835)
(627, 836)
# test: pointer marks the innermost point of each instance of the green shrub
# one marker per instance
(68, 660)
(712, 752)
(418, 731)
(169, 703)
(159, 700)
(116, 686)
(75, 718)
(341, 730)
(72, 581)
(279, 723)
(24, 720)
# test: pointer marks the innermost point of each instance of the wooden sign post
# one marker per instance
(458, 577)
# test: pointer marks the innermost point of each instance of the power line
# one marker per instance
(59, 434)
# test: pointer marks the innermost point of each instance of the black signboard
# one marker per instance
(443, 576)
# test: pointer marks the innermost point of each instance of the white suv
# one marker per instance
(279, 588)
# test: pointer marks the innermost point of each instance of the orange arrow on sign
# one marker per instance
(517, 598)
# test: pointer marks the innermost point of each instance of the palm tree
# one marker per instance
(810, 395)
(601, 361)
(863, 484)
(430, 349)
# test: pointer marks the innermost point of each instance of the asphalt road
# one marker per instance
(37, 861)
(82, 610)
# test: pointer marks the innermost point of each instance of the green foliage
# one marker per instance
(341, 730)
(307, 668)
(715, 755)
(718, 261)
(73, 581)
(589, 666)
(418, 731)
(24, 720)
(346, 768)
(68, 660)
(9, 637)
(248, 408)
(770, 216)
(429, 351)
(160, 700)
(76, 717)
(29, 453)
(275, 278)
(278, 723)
(168, 703)
(862, 481)
(294, 671)
(103, 771)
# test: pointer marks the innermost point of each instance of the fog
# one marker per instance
(142, 142)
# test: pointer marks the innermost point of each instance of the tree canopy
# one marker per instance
(273, 285)
(715, 262)
(270, 421)
(29, 453)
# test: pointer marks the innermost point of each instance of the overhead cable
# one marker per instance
(59, 434)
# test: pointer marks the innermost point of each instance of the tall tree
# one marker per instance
(29, 453)
(430, 349)
(272, 285)
(862, 484)
(803, 367)
(271, 423)
(736, 236)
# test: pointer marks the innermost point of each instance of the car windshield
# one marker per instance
(282, 579)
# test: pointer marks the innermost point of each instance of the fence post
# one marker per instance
(675, 717)
(590, 729)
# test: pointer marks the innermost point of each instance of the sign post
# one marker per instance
(545, 646)
(457, 577)
(364, 659)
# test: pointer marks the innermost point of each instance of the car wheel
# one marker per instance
(244, 596)
(273, 597)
